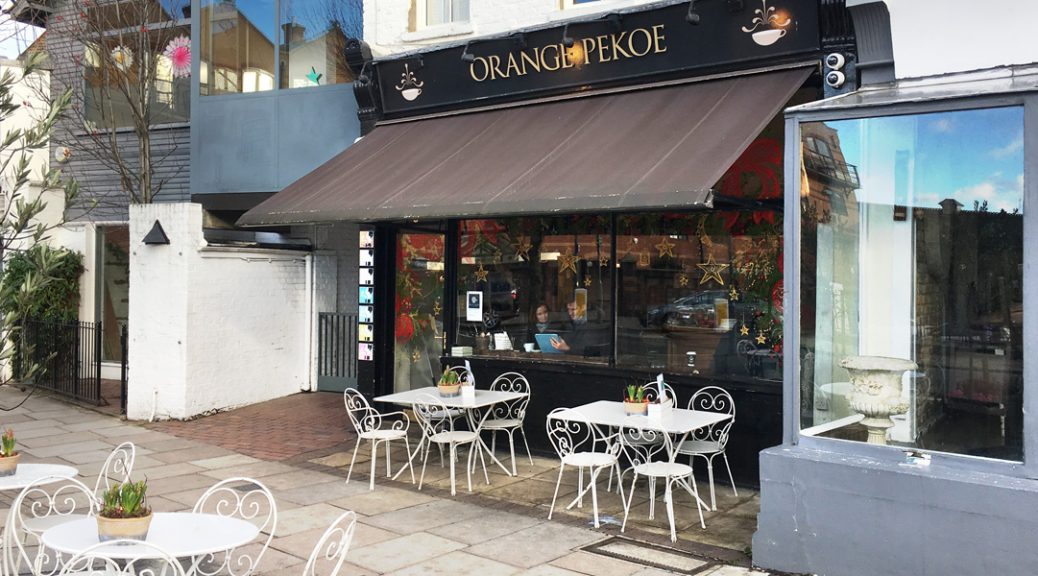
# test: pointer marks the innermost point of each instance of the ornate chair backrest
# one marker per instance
(652, 391)
(330, 551)
(244, 498)
(713, 399)
(49, 497)
(94, 561)
(116, 470)
(570, 433)
(363, 417)
(429, 411)
(643, 445)
(511, 382)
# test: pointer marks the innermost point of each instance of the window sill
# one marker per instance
(439, 31)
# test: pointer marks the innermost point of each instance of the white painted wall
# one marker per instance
(387, 22)
(941, 36)
(211, 327)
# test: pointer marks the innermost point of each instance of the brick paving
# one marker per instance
(275, 430)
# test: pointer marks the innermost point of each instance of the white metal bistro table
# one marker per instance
(181, 534)
(483, 399)
(678, 422)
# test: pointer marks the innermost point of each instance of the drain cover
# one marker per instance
(650, 555)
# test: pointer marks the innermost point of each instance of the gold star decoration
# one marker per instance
(733, 293)
(711, 270)
(603, 261)
(523, 249)
(760, 338)
(437, 308)
(587, 281)
(481, 273)
(745, 330)
(683, 279)
(665, 248)
(416, 356)
(567, 261)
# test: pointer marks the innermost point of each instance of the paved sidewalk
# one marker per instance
(401, 531)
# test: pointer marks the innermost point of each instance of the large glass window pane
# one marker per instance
(313, 41)
(114, 282)
(519, 266)
(237, 39)
(911, 281)
(701, 293)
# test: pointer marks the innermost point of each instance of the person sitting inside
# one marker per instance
(581, 337)
(544, 324)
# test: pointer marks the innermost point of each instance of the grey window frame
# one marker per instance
(791, 434)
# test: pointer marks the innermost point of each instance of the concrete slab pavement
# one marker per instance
(401, 531)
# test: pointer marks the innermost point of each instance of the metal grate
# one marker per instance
(651, 555)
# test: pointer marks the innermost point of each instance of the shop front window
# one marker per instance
(313, 41)
(114, 293)
(539, 286)
(911, 281)
(701, 293)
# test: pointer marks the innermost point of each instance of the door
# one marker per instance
(418, 326)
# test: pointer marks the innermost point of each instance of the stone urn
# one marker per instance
(876, 384)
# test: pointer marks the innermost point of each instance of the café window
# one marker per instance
(911, 281)
(537, 286)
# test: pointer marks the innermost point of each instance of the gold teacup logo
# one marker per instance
(768, 25)
(409, 87)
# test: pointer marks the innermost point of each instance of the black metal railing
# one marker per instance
(336, 351)
(831, 169)
(67, 356)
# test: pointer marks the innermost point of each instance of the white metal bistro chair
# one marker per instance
(46, 502)
(330, 551)
(440, 431)
(244, 498)
(117, 468)
(710, 442)
(650, 455)
(581, 445)
(377, 428)
(94, 561)
(508, 417)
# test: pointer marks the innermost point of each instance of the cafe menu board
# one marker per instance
(366, 297)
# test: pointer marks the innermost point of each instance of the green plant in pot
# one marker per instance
(8, 457)
(124, 512)
(449, 384)
(635, 401)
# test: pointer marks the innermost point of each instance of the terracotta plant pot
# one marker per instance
(449, 390)
(9, 464)
(120, 528)
(636, 408)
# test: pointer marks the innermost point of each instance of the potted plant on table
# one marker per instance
(449, 385)
(635, 401)
(124, 512)
(8, 457)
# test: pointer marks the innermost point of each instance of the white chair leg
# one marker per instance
(652, 498)
(454, 490)
(527, 444)
(352, 460)
(710, 476)
(389, 474)
(407, 446)
(580, 487)
(668, 497)
(511, 450)
(627, 504)
(594, 494)
(471, 461)
(730, 478)
(425, 459)
(374, 460)
(556, 495)
(482, 460)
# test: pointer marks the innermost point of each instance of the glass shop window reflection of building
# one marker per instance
(912, 248)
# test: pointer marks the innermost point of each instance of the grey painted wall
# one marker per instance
(263, 142)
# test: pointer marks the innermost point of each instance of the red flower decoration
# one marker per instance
(404, 328)
(762, 162)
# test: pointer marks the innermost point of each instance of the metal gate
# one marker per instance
(68, 355)
(336, 351)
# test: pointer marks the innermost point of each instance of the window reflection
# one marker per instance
(912, 248)
(237, 41)
(313, 41)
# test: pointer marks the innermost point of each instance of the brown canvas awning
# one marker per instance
(652, 149)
